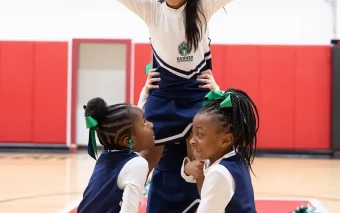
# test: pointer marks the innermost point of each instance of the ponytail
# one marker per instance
(193, 23)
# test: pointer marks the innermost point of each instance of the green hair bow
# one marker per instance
(91, 124)
(218, 95)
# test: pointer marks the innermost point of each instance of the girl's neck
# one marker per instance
(115, 149)
(213, 160)
(219, 156)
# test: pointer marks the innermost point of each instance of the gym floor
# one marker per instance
(43, 183)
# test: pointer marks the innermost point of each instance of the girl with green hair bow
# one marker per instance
(117, 182)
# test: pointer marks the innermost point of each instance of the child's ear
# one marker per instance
(125, 142)
(228, 140)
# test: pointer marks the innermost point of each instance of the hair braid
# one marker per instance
(242, 120)
(114, 121)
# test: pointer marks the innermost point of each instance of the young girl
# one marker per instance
(119, 176)
(224, 134)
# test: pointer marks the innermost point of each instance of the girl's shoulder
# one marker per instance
(217, 171)
(137, 162)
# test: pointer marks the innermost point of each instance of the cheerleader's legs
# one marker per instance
(169, 192)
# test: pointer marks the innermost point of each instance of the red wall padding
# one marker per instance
(290, 85)
(277, 96)
(312, 98)
(33, 84)
(16, 91)
(50, 92)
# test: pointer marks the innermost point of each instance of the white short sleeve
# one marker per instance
(145, 9)
(132, 179)
(212, 6)
(189, 179)
(217, 190)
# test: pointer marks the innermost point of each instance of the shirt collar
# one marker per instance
(171, 10)
(207, 165)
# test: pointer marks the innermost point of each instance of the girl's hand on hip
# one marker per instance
(208, 79)
(150, 80)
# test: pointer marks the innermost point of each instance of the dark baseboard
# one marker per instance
(336, 154)
(63, 149)
(283, 153)
(33, 148)
(83, 148)
(289, 153)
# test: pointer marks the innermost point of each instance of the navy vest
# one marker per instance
(102, 193)
(243, 199)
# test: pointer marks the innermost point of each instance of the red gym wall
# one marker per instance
(33, 88)
(289, 84)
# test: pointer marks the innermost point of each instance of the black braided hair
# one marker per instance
(114, 121)
(242, 120)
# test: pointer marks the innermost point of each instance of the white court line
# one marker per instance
(316, 203)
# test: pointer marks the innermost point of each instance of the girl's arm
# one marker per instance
(187, 177)
(217, 191)
(199, 183)
(148, 85)
(192, 172)
(132, 179)
(145, 9)
(142, 99)
(212, 6)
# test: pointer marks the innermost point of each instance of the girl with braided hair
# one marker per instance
(118, 179)
(224, 140)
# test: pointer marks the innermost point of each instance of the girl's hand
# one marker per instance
(194, 168)
(208, 79)
(148, 84)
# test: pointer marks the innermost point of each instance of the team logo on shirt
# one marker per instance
(184, 51)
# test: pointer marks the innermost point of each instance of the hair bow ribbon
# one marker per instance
(91, 124)
(218, 95)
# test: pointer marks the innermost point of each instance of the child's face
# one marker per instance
(142, 137)
(209, 140)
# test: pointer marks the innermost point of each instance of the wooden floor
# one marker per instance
(43, 183)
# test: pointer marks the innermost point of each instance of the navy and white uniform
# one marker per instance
(173, 105)
(227, 186)
(116, 184)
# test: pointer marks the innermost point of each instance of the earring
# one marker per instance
(222, 146)
(130, 146)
